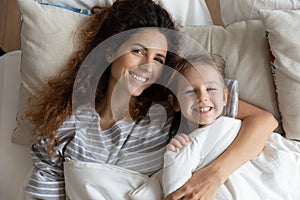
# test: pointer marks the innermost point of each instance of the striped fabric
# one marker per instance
(136, 146)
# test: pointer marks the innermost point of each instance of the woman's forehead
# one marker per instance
(149, 38)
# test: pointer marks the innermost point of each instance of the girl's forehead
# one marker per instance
(202, 72)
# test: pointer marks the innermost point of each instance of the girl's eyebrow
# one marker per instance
(211, 82)
(186, 87)
(146, 49)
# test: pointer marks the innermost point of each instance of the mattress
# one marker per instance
(15, 160)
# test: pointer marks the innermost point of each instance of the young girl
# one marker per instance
(202, 95)
(75, 119)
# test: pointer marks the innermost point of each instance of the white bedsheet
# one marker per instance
(274, 174)
(15, 160)
(94, 181)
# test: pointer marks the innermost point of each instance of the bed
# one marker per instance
(259, 41)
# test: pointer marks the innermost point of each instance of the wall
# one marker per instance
(9, 25)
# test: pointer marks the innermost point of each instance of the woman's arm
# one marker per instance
(255, 130)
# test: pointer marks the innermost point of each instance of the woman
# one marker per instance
(90, 129)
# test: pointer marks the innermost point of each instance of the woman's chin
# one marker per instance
(137, 92)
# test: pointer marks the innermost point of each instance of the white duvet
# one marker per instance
(274, 174)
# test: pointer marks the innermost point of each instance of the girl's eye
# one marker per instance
(189, 92)
(211, 89)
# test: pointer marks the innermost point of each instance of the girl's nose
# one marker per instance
(203, 97)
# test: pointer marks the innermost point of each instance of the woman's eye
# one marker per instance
(160, 60)
(137, 51)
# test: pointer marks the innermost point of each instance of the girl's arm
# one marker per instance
(255, 130)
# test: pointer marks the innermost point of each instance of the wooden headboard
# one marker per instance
(9, 25)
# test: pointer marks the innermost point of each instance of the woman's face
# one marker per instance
(203, 99)
(139, 61)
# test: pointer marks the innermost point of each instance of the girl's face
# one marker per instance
(201, 99)
(139, 61)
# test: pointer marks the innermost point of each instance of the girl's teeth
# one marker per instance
(204, 109)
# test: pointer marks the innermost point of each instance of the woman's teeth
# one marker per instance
(139, 78)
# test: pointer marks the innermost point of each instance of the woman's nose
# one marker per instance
(147, 63)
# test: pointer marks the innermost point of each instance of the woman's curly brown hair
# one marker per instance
(53, 104)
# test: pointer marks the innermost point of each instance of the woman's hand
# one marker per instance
(178, 142)
(194, 189)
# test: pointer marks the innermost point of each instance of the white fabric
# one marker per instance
(273, 174)
(284, 31)
(15, 160)
(239, 10)
(207, 144)
(84, 180)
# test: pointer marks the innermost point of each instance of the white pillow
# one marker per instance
(47, 41)
(187, 12)
(244, 47)
(284, 38)
(80, 4)
(239, 10)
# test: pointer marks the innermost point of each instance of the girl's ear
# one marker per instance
(225, 96)
(173, 101)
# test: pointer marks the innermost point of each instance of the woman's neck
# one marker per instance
(114, 106)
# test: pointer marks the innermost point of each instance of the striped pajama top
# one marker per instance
(135, 146)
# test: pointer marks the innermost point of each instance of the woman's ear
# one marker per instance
(109, 58)
(109, 55)
(173, 101)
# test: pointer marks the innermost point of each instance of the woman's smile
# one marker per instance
(138, 77)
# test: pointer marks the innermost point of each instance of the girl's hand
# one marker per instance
(178, 142)
(193, 189)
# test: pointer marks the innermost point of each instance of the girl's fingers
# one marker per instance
(178, 142)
